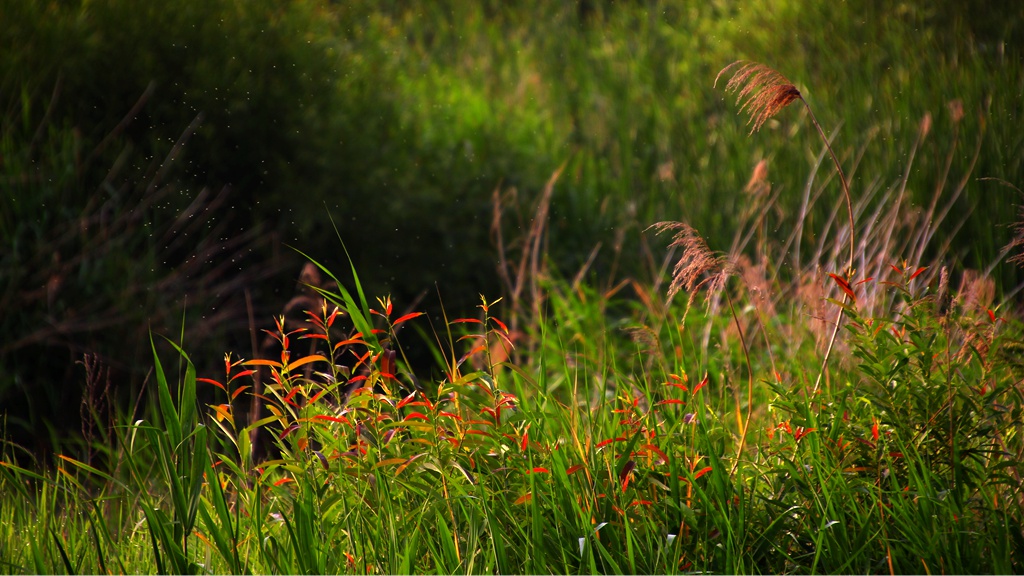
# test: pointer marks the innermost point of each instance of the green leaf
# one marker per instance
(166, 404)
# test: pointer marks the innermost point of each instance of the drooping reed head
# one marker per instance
(762, 91)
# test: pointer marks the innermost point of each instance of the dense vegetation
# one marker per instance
(736, 399)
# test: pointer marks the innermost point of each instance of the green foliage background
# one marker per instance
(399, 121)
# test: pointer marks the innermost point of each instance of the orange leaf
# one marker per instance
(405, 400)
(475, 350)
(291, 395)
(574, 469)
(242, 374)
(409, 316)
(238, 391)
(604, 443)
(221, 386)
(844, 286)
(350, 342)
(524, 498)
(702, 472)
(500, 324)
(702, 384)
(539, 470)
(305, 360)
(466, 320)
(918, 272)
(408, 462)
(670, 401)
(656, 450)
(330, 319)
(283, 481)
(801, 432)
(223, 412)
(338, 419)
(390, 462)
(258, 362)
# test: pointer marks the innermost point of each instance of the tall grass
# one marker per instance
(613, 436)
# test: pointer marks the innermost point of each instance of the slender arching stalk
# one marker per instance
(842, 178)
(766, 92)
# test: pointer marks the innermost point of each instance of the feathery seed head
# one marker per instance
(762, 91)
(698, 266)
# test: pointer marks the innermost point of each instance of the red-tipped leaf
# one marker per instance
(844, 286)
(702, 384)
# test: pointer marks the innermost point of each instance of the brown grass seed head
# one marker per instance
(761, 91)
(698, 266)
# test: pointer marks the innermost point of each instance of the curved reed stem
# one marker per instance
(763, 93)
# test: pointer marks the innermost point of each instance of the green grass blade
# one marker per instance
(165, 400)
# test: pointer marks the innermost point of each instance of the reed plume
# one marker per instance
(698, 266)
(767, 91)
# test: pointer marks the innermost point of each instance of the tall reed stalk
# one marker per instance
(763, 92)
